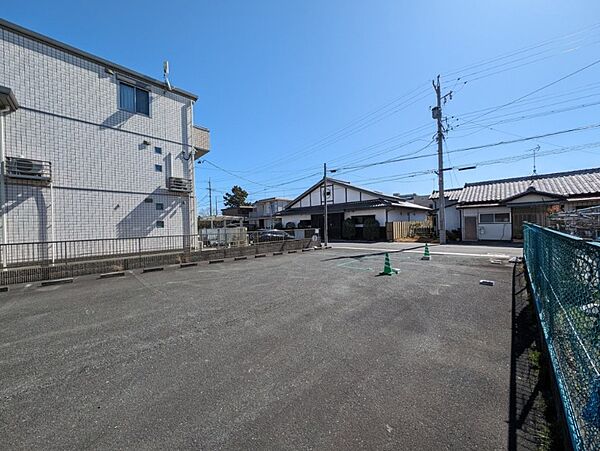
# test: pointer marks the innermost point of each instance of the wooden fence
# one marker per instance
(398, 230)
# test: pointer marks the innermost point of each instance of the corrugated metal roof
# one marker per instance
(574, 183)
(450, 194)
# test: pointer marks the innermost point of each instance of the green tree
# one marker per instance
(348, 229)
(236, 198)
(371, 229)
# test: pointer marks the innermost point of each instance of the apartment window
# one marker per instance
(159, 206)
(134, 99)
(490, 218)
(158, 150)
(160, 224)
(158, 167)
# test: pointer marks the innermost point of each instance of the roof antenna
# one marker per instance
(166, 74)
(534, 150)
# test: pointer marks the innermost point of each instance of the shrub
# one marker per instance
(371, 230)
(348, 229)
(278, 225)
(290, 225)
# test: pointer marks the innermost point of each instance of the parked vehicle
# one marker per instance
(273, 235)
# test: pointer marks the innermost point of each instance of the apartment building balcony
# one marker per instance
(200, 141)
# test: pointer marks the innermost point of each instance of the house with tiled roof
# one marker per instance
(347, 201)
(496, 209)
(452, 212)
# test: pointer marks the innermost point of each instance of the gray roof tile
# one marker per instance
(450, 194)
(574, 183)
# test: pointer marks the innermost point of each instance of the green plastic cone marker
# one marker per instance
(426, 255)
(387, 267)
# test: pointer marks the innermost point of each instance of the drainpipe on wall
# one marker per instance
(194, 219)
(2, 182)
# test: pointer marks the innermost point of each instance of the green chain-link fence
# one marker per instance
(565, 276)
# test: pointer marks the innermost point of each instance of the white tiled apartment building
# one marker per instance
(91, 149)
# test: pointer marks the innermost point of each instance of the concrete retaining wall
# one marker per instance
(59, 271)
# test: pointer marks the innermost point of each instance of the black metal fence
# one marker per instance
(55, 252)
(49, 252)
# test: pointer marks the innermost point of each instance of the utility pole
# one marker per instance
(325, 200)
(210, 197)
(436, 113)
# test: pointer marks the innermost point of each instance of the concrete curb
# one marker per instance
(188, 264)
(46, 283)
(153, 269)
(109, 275)
(3, 289)
(260, 255)
(219, 260)
(307, 249)
(237, 259)
(277, 253)
(292, 252)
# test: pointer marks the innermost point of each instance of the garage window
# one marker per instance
(502, 217)
(491, 218)
(486, 218)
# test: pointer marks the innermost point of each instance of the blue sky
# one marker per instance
(286, 86)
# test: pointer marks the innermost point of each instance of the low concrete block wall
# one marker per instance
(98, 266)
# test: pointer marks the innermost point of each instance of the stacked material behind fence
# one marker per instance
(564, 272)
(407, 229)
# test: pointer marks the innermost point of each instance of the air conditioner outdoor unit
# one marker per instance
(25, 168)
(180, 185)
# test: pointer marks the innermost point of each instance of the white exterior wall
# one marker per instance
(378, 212)
(497, 231)
(405, 214)
(101, 170)
(295, 219)
(452, 215)
(452, 218)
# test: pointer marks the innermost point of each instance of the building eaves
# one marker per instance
(347, 185)
(93, 58)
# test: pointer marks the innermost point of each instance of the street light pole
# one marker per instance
(325, 200)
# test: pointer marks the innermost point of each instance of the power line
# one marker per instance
(521, 50)
(542, 88)
(509, 159)
(483, 146)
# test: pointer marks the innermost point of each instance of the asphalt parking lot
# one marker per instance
(306, 351)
